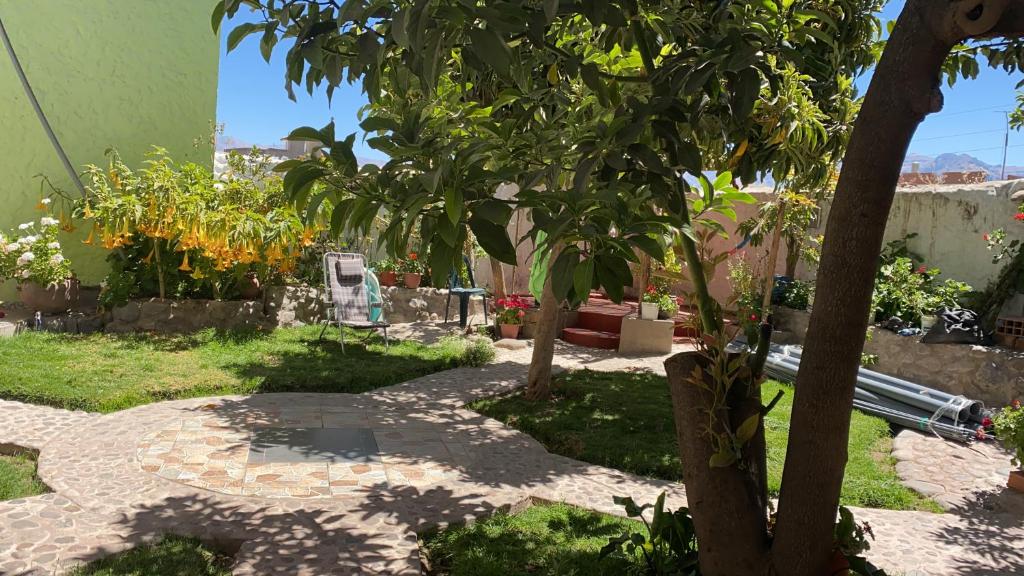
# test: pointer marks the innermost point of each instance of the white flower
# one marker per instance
(53, 245)
(24, 226)
(45, 201)
(26, 258)
(218, 185)
(47, 221)
(25, 273)
(8, 248)
(27, 240)
(57, 258)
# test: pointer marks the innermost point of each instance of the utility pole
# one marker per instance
(1006, 144)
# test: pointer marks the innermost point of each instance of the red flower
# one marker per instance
(651, 289)
(984, 237)
(1015, 404)
(986, 422)
(413, 256)
(980, 434)
(753, 317)
(922, 269)
(520, 313)
(1019, 216)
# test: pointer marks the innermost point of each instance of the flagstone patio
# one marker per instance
(341, 484)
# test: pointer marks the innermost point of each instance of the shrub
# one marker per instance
(1009, 424)
(33, 254)
(175, 229)
(513, 310)
(905, 291)
(473, 351)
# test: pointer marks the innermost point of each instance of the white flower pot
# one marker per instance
(927, 321)
(648, 311)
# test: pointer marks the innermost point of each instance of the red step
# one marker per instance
(591, 338)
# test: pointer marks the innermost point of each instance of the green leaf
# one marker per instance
(400, 28)
(310, 134)
(217, 17)
(240, 32)
(722, 459)
(689, 157)
(498, 212)
(493, 239)
(453, 203)
(299, 179)
(649, 245)
(489, 46)
(550, 10)
(746, 91)
(747, 430)
(268, 41)
(562, 272)
(583, 278)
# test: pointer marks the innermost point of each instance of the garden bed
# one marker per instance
(18, 475)
(624, 420)
(108, 372)
(171, 556)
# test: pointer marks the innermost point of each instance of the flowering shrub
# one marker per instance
(194, 234)
(907, 291)
(1009, 423)
(411, 264)
(512, 309)
(33, 254)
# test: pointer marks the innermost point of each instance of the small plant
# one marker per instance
(748, 297)
(473, 351)
(33, 254)
(411, 264)
(667, 306)
(798, 295)
(1009, 424)
(651, 295)
(385, 265)
(668, 547)
(512, 310)
(852, 541)
(907, 291)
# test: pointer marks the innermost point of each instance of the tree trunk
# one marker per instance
(159, 268)
(904, 89)
(729, 504)
(538, 385)
(498, 278)
(793, 247)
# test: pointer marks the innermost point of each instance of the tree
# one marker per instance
(903, 91)
(667, 90)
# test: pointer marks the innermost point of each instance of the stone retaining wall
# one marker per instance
(991, 374)
(286, 306)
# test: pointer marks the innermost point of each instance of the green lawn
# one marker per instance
(172, 556)
(542, 540)
(106, 372)
(18, 477)
(623, 420)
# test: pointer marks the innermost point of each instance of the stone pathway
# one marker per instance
(185, 467)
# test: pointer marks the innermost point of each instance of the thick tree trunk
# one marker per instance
(729, 504)
(538, 385)
(905, 88)
(498, 278)
(793, 248)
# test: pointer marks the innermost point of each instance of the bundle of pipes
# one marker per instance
(896, 400)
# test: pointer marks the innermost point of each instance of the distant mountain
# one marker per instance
(957, 163)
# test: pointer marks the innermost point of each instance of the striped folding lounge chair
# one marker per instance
(347, 284)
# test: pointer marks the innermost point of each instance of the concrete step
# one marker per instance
(591, 338)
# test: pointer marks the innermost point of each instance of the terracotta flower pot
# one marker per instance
(510, 331)
(50, 299)
(411, 279)
(387, 278)
(249, 287)
(1016, 480)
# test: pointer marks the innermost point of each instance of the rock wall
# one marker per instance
(991, 374)
(286, 306)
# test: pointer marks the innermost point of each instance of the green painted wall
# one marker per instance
(127, 74)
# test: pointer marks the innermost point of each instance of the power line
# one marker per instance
(1000, 130)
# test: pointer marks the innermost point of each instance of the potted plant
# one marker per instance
(387, 272)
(510, 316)
(412, 271)
(34, 259)
(649, 303)
(1009, 423)
(667, 306)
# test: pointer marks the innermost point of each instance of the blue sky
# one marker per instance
(254, 108)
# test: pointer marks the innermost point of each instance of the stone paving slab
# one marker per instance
(181, 467)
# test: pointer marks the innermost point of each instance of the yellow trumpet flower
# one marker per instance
(184, 264)
(88, 241)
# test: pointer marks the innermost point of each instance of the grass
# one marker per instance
(171, 556)
(623, 420)
(109, 372)
(18, 477)
(541, 540)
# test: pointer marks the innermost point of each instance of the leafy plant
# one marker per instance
(852, 541)
(1009, 424)
(747, 297)
(669, 546)
(177, 223)
(798, 295)
(33, 254)
(905, 291)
